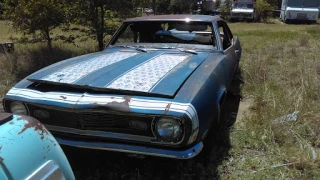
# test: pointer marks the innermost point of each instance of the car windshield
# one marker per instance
(162, 34)
(243, 6)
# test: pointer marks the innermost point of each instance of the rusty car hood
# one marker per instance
(121, 70)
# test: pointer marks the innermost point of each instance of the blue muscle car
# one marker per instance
(155, 90)
(29, 151)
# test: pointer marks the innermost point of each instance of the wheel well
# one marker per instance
(219, 104)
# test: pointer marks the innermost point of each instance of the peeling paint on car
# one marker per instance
(34, 124)
(30, 142)
(163, 81)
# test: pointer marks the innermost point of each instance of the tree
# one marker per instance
(163, 6)
(226, 8)
(31, 16)
(99, 15)
(275, 3)
(262, 7)
(1, 8)
(217, 3)
(181, 6)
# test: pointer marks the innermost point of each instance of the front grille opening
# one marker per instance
(94, 120)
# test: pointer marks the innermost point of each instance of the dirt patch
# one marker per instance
(244, 108)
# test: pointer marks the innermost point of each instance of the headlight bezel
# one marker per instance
(181, 123)
(20, 103)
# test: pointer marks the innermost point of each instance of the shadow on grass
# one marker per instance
(98, 164)
(95, 164)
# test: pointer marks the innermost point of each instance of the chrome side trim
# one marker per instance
(133, 149)
(100, 134)
(110, 135)
(49, 170)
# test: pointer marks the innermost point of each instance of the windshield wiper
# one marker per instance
(180, 49)
(132, 47)
(187, 51)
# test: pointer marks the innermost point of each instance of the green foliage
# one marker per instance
(163, 6)
(226, 8)
(262, 8)
(180, 6)
(102, 17)
(31, 16)
(217, 3)
(275, 3)
(1, 8)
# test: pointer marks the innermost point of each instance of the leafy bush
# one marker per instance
(263, 8)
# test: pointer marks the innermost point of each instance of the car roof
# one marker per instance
(180, 17)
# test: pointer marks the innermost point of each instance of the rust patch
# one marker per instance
(63, 97)
(117, 106)
(33, 124)
(167, 108)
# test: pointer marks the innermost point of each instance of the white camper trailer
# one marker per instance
(300, 10)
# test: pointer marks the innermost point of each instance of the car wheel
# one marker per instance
(236, 84)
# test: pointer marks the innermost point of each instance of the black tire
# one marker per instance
(236, 84)
(215, 136)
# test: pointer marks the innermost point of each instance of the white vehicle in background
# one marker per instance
(300, 10)
(243, 10)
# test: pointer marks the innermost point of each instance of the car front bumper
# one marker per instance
(134, 149)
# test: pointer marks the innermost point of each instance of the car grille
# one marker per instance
(302, 16)
(93, 120)
(245, 15)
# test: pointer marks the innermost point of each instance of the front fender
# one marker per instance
(25, 146)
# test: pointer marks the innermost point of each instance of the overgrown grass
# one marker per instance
(281, 70)
(31, 55)
(280, 66)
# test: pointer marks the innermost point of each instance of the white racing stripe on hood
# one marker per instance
(143, 77)
(77, 71)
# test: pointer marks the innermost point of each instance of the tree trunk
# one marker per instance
(100, 32)
(48, 38)
(154, 6)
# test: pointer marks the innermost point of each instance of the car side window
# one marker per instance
(225, 34)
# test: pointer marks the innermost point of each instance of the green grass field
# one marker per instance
(281, 70)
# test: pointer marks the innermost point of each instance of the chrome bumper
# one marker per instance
(133, 149)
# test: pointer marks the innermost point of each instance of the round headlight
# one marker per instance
(168, 129)
(18, 108)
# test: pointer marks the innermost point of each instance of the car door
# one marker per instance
(229, 45)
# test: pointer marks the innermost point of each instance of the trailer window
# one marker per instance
(295, 3)
(310, 3)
